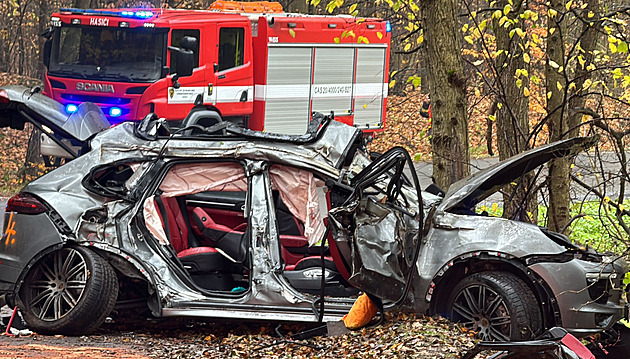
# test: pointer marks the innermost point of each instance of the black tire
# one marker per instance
(499, 306)
(69, 291)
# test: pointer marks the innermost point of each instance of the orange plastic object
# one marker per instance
(361, 313)
(247, 7)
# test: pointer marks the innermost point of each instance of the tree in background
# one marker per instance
(556, 85)
(566, 73)
(512, 102)
(447, 91)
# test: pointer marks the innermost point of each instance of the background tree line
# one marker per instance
(531, 72)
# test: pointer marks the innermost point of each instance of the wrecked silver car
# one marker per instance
(217, 221)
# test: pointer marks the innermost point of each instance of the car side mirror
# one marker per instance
(188, 43)
(185, 63)
(185, 59)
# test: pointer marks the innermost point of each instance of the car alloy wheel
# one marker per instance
(498, 306)
(68, 291)
(57, 284)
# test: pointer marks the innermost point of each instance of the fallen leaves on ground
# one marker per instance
(400, 336)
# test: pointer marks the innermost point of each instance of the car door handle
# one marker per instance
(221, 76)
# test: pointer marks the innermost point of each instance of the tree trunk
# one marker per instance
(588, 41)
(561, 123)
(447, 90)
(42, 23)
(512, 115)
(559, 168)
(299, 6)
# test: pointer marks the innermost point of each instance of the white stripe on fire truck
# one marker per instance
(233, 93)
(267, 92)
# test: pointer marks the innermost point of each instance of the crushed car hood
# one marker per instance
(470, 190)
(33, 106)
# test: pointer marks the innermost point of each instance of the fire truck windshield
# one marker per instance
(110, 54)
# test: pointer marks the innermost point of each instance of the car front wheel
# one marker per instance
(69, 291)
(499, 306)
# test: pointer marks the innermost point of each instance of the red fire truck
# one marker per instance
(251, 63)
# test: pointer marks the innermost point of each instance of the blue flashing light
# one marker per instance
(115, 111)
(71, 108)
(388, 26)
(144, 14)
(141, 14)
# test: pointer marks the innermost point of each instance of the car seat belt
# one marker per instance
(192, 240)
(162, 209)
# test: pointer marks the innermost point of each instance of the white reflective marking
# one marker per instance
(370, 90)
(220, 94)
(233, 93)
(287, 91)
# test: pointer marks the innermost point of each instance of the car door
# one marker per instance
(375, 221)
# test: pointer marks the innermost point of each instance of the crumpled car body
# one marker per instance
(224, 222)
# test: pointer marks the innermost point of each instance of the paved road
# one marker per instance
(583, 166)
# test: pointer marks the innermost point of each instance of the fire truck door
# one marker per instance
(191, 88)
(234, 80)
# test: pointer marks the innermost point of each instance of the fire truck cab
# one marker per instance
(250, 63)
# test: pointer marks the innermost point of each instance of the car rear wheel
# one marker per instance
(69, 291)
(499, 306)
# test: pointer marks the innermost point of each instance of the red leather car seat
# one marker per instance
(195, 258)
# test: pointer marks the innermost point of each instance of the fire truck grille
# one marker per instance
(96, 99)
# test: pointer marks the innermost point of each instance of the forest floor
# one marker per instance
(400, 336)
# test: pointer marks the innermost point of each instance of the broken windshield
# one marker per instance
(109, 54)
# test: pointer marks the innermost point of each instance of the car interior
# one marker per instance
(208, 230)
